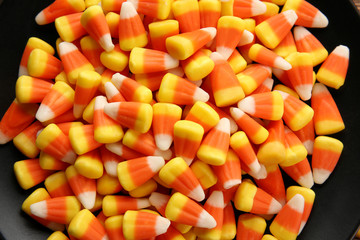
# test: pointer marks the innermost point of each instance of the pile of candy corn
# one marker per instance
(159, 119)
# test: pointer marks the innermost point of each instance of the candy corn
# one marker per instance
(143, 225)
(134, 115)
(57, 185)
(48, 162)
(112, 93)
(69, 27)
(204, 174)
(250, 227)
(226, 90)
(174, 89)
(197, 66)
(260, 54)
(59, 210)
(82, 139)
(287, 222)
(333, 71)
(43, 65)
(161, 30)
(155, 9)
(271, 31)
(165, 115)
(135, 172)
(248, 8)
(113, 226)
(85, 225)
(131, 29)
(183, 45)
(252, 77)
(210, 11)
(327, 151)
(31, 90)
(25, 141)
(301, 173)
(182, 209)
(115, 60)
(107, 184)
(177, 174)
(57, 9)
(327, 118)
(187, 14)
(201, 111)
(286, 46)
(90, 165)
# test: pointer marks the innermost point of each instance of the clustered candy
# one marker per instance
(155, 106)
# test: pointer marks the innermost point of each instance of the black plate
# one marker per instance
(336, 212)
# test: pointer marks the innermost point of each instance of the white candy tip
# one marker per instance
(162, 225)
(223, 125)
(117, 79)
(106, 42)
(39, 209)
(247, 105)
(167, 154)
(201, 95)
(197, 194)
(320, 20)
(127, 10)
(111, 109)
(163, 141)
(231, 183)
(23, 71)
(261, 174)
(155, 163)
(297, 203)
(306, 180)
(4, 138)
(69, 157)
(143, 203)
(216, 199)
(320, 175)
(110, 90)
(290, 16)
(282, 63)
(224, 51)
(274, 207)
(87, 199)
(40, 19)
(170, 62)
(111, 168)
(210, 30)
(158, 199)
(258, 8)
(246, 38)
(342, 51)
(44, 113)
(300, 33)
(304, 91)
(66, 47)
(206, 220)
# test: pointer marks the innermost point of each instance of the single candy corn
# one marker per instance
(16, 118)
(57, 185)
(187, 139)
(327, 151)
(116, 205)
(106, 129)
(84, 188)
(183, 45)
(301, 74)
(273, 150)
(256, 133)
(225, 86)
(271, 31)
(43, 65)
(215, 206)
(116, 59)
(250, 227)
(295, 151)
(48, 162)
(301, 173)
(107, 185)
(144, 189)
(135, 172)
(94, 21)
(204, 174)
(307, 42)
(58, 235)
(242, 147)
(82, 139)
(333, 71)
(86, 87)
(273, 183)
(90, 165)
(86, 226)
(131, 29)
(31, 44)
(229, 174)
(327, 118)
(287, 222)
(309, 197)
(214, 147)
(155, 9)
(165, 115)
(237, 62)
(252, 77)
(210, 12)
(229, 32)
(197, 66)
(131, 90)
(31, 90)
(268, 105)
(297, 114)
(309, 16)
(25, 141)
(249, 198)
(177, 174)
(144, 143)
(187, 14)
(204, 115)
(56, 102)
(182, 209)
(54, 142)
(143, 225)
(134, 115)
(110, 161)
(73, 60)
(59, 210)
(113, 226)
(260, 54)
(161, 30)
(69, 27)
(57, 9)
(29, 173)
(286, 46)
(248, 8)
(92, 51)
(174, 89)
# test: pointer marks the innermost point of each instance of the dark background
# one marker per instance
(336, 212)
